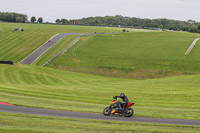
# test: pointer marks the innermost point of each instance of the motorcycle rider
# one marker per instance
(124, 103)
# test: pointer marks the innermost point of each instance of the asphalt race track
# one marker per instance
(45, 112)
(42, 49)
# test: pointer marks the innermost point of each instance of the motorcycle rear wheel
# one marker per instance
(107, 111)
(128, 112)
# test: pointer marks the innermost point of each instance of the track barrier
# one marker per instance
(7, 62)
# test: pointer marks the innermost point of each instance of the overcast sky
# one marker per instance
(51, 10)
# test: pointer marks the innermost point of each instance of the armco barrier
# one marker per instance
(6, 62)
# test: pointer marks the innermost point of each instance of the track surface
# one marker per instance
(42, 49)
(45, 112)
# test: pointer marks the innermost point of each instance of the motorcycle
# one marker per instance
(114, 109)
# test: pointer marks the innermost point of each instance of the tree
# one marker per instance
(199, 27)
(58, 21)
(185, 28)
(40, 20)
(193, 29)
(64, 21)
(33, 19)
(20, 19)
(161, 26)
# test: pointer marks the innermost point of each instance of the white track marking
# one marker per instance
(191, 46)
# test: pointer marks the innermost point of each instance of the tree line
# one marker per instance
(18, 18)
(13, 17)
(118, 20)
(112, 21)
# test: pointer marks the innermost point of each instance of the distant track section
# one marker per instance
(191, 46)
(42, 49)
(56, 113)
(61, 52)
(77, 39)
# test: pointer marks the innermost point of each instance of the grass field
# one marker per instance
(176, 97)
(37, 124)
(15, 46)
(139, 55)
(133, 55)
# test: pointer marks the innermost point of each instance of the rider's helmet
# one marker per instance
(122, 95)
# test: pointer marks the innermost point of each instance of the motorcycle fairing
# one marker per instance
(128, 105)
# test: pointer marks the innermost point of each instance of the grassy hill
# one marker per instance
(176, 97)
(15, 46)
(133, 55)
(139, 55)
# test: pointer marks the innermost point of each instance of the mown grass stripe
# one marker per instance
(34, 33)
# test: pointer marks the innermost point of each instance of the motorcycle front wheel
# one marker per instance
(128, 112)
(107, 111)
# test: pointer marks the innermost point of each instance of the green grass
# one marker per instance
(23, 85)
(141, 55)
(15, 46)
(158, 54)
(18, 123)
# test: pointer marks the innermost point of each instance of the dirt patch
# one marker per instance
(124, 73)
